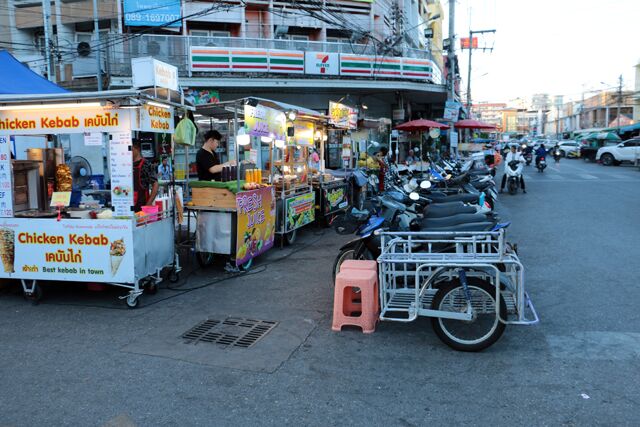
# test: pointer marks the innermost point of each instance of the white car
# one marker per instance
(569, 149)
(626, 151)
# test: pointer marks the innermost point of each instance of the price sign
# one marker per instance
(60, 198)
(6, 176)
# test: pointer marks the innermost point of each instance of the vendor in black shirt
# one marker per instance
(207, 160)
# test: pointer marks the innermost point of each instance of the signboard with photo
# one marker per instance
(256, 223)
(73, 250)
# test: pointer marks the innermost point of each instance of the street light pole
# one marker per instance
(96, 29)
(619, 100)
(471, 33)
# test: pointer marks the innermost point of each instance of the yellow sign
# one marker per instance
(60, 198)
(256, 223)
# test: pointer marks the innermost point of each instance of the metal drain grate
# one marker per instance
(233, 331)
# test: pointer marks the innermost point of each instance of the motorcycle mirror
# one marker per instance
(414, 196)
(425, 184)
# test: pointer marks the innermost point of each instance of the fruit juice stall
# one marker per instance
(69, 215)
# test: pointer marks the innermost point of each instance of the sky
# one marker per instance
(559, 47)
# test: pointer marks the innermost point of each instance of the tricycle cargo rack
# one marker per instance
(453, 278)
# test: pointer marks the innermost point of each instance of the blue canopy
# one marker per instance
(630, 128)
(16, 78)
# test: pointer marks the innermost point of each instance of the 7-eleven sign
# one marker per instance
(327, 64)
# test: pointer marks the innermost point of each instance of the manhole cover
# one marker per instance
(233, 331)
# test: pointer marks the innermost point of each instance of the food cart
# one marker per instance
(270, 139)
(56, 224)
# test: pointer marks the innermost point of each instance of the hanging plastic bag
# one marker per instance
(185, 132)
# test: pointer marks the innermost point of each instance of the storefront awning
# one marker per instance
(17, 78)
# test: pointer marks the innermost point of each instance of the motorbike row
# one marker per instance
(452, 201)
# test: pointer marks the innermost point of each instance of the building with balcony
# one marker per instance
(304, 52)
(489, 112)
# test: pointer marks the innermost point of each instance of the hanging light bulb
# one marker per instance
(292, 114)
(279, 143)
(242, 138)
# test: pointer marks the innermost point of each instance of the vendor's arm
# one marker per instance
(153, 194)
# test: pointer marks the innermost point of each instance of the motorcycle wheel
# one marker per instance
(348, 254)
(513, 187)
(474, 335)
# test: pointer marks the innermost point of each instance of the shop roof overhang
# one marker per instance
(418, 92)
(226, 109)
(116, 97)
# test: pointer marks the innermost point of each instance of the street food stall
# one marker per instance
(67, 206)
(271, 142)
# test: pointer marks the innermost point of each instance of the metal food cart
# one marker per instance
(95, 241)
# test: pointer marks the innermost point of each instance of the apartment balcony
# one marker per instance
(220, 57)
(71, 12)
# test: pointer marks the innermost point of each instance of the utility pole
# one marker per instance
(96, 30)
(46, 15)
(619, 100)
(451, 51)
(471, 33)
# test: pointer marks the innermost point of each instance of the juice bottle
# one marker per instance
(247, 175)
(259, 176)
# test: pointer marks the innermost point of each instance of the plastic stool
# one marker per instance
(367, 282)
(352, 302)
(356, 264)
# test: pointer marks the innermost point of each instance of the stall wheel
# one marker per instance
(290, 237)
(151, 287)
(132, 301)
(174, 276)
(205, 259)
(35, 295)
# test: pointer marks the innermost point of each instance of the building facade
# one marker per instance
(380, 54)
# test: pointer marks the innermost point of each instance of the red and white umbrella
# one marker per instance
(473, 124)
(420, 125)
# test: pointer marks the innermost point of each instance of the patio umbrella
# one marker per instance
(420, 125)
(473, 124)
(608, 136)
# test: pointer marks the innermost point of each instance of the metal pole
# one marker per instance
(619, 100)
(46, 15)
(235, 145)
(451, 50)
(469, 74)
(96, 30)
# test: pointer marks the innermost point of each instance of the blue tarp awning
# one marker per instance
(16, 78)
(630, 128)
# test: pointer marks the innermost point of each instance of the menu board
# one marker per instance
(6, 187)
(121, 162)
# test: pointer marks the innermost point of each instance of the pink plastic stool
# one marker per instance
(353, 304)
(343, 305)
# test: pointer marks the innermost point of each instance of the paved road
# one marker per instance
(77, 359)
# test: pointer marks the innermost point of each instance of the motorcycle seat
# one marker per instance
(453, 220)
(474, 226)
(467, 198)
(437, 211)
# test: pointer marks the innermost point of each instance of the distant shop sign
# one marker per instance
(326, 64)
(153, 13)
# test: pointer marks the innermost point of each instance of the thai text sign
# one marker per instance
(6, 175)
(72, 120)
(342, 116)
(300, 210)
(256, 223)
(75, 250)
(264, 121)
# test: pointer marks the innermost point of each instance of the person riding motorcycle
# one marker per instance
(541, 153)
(512, 155)
(556, 153)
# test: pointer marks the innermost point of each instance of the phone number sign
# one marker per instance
(153, 13)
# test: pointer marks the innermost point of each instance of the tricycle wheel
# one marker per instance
(480, 332)
(205, 259)
(35, 295)
(132, 301)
